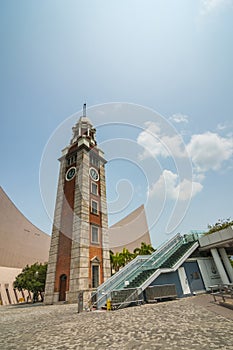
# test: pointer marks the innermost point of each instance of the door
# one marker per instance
(95, 276)
(62, 289)
(184, 281)
(194, 276)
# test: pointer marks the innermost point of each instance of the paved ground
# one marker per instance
(191, 323)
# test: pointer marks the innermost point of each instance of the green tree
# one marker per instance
(32, 278)
(219, 225)
(126, 256)
(145, 249)
(119, 260)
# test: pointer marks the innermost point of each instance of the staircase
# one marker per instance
(141, 278)
(143, 270)
(172, 260)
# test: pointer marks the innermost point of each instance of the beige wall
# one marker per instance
(7, 277)
(129, 232)
(21, 242)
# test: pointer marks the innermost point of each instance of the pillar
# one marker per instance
(226, 263)
(219, 265)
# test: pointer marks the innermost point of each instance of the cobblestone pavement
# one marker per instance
(180, 324)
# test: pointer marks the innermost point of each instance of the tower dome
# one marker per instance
(84, 129)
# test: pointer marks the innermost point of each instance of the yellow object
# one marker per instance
(109, 305)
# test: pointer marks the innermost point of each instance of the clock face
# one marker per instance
(70, 173)
(94, 174)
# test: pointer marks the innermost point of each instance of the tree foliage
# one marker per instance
(32, 278)
(119, 260)
(145, 249)
(219, 225)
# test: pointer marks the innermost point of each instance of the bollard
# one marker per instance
(80, 302)
(109, 305)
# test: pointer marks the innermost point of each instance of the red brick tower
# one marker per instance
(79, 252)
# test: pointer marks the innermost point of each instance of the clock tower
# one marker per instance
(79, 252)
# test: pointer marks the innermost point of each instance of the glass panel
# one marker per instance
(94, 207)
(94, 234)
(94, 161)
(94, 188)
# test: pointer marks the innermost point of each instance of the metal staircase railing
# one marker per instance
(175, 266)
(161, 255)
(103, 291)
(133, 268)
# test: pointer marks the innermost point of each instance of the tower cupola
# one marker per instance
(83, 129)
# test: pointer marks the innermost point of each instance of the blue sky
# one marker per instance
(172, 57)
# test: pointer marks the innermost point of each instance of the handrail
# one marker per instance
(158, 254)
(118, 273)
(177, 238)
(168, 253)
(158, 270)
(156, 273)
(148, 259)
(111, 281)
(169, 242)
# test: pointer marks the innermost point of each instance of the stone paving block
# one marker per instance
(182, 324)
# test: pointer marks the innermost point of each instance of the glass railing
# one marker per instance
(121, 274)
(135, 267)
(159, 256)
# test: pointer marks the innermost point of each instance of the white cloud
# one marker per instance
(221, 126)
(224, 126)
(209, 150)
(199, 177)
(155, 143)
(179, 118)
(168, 185)
(208, 6)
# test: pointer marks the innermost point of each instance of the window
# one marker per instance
(94, 207)
(71, 159)
(94, 234)
(94, 188)
(94, 160)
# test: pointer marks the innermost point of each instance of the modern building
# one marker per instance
(21, 244)
(183, 266)
(220, 246)
(129, 232)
